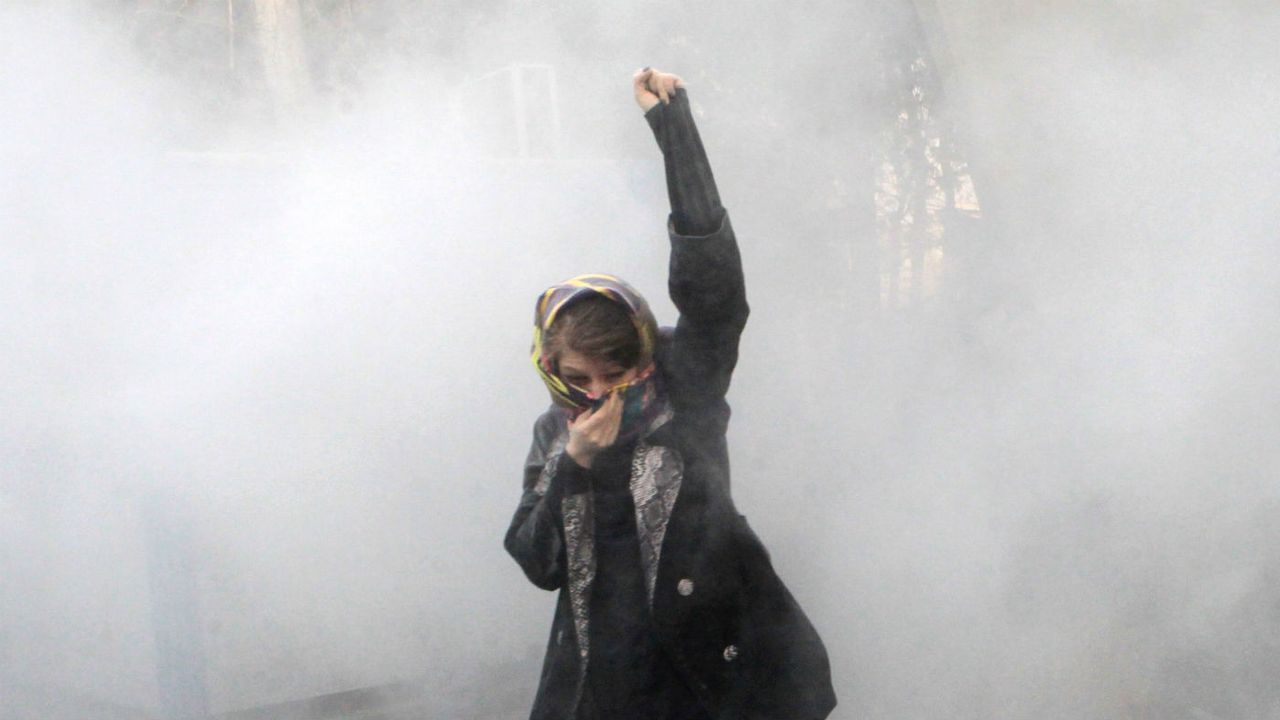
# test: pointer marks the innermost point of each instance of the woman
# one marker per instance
(669, 608)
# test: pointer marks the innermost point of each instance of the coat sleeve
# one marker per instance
(691, 186)
(707, 288)
(535, 537)
(788, 674)
(705, 276)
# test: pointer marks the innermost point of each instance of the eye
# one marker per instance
(575, 379)
(615, 377)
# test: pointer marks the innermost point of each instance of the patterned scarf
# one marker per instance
(643, 398)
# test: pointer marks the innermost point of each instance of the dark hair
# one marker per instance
(596, 327)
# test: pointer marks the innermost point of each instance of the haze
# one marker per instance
(264, 301)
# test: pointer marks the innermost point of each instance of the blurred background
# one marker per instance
(1005, 414)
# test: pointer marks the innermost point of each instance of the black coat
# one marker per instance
(735, 633)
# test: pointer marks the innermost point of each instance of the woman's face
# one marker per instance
(594, 375)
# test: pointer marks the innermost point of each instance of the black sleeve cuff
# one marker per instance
(570, 478)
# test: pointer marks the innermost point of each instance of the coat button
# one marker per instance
(685, 587)
(560, 637)
(731, 653)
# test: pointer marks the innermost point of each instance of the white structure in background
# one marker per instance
(284, 58)
(517, 106)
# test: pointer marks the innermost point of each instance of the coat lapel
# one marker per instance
(580, 552)
(656, 475)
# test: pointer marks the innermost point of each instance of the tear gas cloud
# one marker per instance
(266, 392)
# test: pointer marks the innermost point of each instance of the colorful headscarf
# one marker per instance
(559, 296)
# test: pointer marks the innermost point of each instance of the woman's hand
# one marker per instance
(654, 86)
(594, 430)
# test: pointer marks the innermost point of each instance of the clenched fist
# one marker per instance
(654, 86)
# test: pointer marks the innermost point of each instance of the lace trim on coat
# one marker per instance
(579, 537)
(656, 474)
(553, 452)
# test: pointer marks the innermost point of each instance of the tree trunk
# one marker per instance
(283, 52)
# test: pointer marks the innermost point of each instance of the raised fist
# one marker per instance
(654, 86)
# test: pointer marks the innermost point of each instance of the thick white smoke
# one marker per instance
(266, 395)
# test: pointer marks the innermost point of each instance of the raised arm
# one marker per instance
(705, 277)
(691, 187)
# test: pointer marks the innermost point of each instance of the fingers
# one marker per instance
(599, 417)
(673, 82)
(600, 425)
(640, 81)
(648, 81)
(611, 418)
(595, 430)
(640, 87)
(664, 85)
